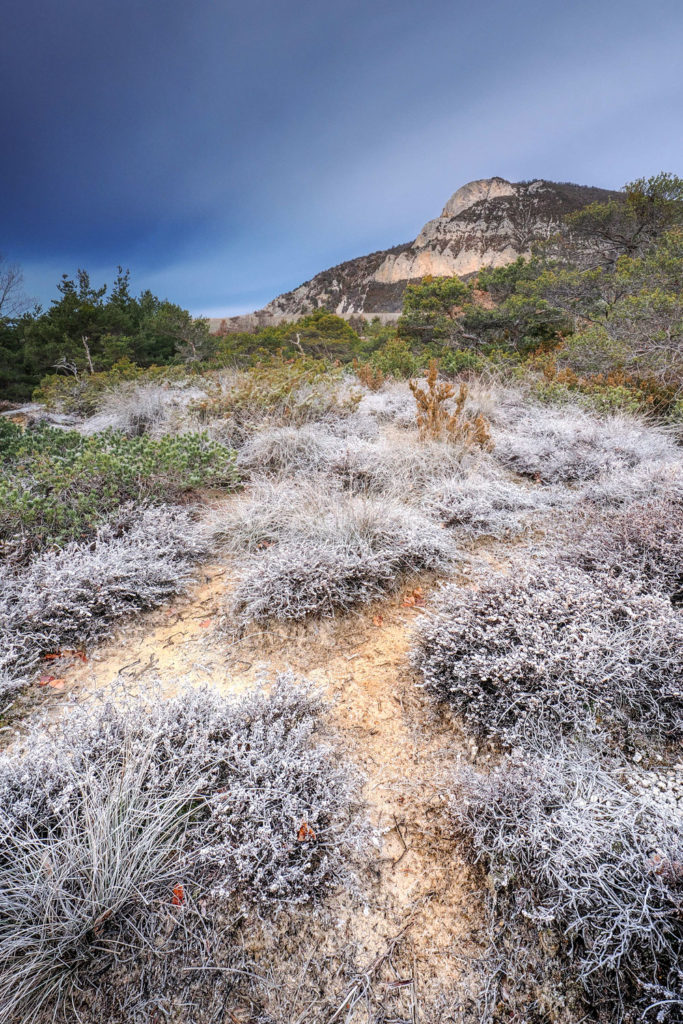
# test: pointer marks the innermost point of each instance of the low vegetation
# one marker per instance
(553, 645)
(123, 823)
(312, 552)
(591, 862)
(73, 597)
(58, 485)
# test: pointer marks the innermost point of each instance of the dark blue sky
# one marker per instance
(226, 152)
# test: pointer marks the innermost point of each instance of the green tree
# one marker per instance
(603, 232)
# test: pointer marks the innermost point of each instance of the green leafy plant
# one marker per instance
(57, 486)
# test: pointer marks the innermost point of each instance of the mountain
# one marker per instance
(489, 222)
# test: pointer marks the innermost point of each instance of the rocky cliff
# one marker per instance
(489, 222)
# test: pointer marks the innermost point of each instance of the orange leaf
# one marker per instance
(51, 681)
(178, 895)
(305, 833)
(378, 620)
(64, 653)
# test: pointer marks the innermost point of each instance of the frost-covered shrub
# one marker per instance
(486, 503)
(565, 445)
(270, 511)
(119, 825)
(70, 598)
(661, 478)
(331, 554)
(553, 644)
(288, 451)
(139, 409)
(642, 542)
(595, 866)
(402, 465)
(393, 403)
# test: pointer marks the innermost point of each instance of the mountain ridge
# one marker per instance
(486, 222)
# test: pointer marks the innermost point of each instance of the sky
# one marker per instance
(225, 152)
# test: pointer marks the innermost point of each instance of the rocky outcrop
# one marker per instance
(489, 222)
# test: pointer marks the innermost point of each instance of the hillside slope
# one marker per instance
(489, 222)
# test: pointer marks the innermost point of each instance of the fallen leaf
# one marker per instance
(64, 653)
(305, 832)
(378, 620)
(51, 681)
(54, 682)
(178, 895)
(205, 623)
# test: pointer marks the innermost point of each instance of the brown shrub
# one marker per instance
(436, 420)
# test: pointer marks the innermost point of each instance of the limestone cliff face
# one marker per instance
(489, 222)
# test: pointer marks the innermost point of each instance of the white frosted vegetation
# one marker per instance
(71, 597)
(553, 644)
(313, 550)
(123, 820)
(580, 855)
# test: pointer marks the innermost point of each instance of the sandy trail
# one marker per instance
(389, 727)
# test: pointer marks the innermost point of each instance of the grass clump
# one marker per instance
(591, 865)
(314, 552)
(71, 597)
(57, 486)
(136, 837)
(553, 645)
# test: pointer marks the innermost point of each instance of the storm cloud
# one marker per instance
(226, 152)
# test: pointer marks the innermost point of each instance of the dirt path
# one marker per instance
(390, 728)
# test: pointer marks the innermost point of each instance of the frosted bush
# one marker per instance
(553, 644)
(142, 409)
(70, 598)
(270, 511)
(288, 451)
(393, 403)
(124, 818)
(662, 478)
(642, 542)
(402, 466)
(332, 554)
(567, 445)
(572, 850)
(486, 503)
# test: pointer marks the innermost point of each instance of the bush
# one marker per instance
(553, 645)
(660, 478)
(320, 553)
(568, 445)
(487, 504)
(85, 395)
(56, 486)
(122, 823)
(642, 542)
(288, 451)
(439, 417)
(278, 391)
(593, 864)
(71, 598)
(143, 409)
